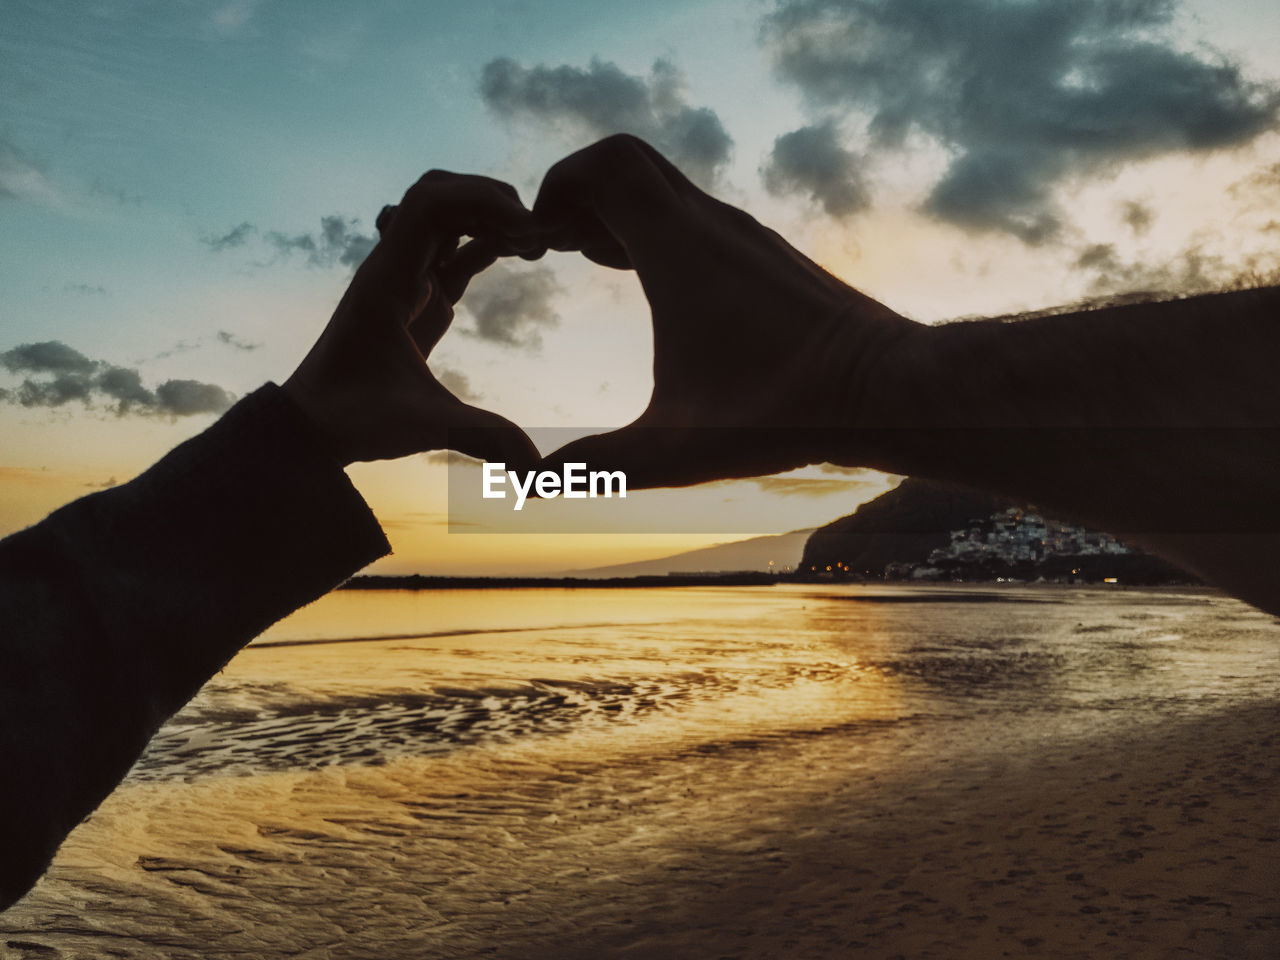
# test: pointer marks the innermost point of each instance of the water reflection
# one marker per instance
(510, 757)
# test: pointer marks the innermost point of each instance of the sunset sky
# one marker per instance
(185, 188)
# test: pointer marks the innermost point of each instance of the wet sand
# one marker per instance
(1160, 844)
(1106, 787)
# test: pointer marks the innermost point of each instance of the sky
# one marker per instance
(186, 187)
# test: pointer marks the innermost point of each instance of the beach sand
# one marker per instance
(1004, 840)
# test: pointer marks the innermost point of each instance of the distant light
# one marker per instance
(1110, 579)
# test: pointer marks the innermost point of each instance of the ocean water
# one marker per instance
(444, 773)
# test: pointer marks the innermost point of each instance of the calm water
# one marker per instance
(364, 677)
(395, 766)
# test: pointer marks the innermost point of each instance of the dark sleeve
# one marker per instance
(119, 606)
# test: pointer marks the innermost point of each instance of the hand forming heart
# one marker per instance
(761, 358)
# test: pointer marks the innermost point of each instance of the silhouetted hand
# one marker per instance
(760, 356)
(365, 383)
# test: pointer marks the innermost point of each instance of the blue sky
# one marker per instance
(184, 185)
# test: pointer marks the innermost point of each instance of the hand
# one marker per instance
(365, 384)
(760, 356)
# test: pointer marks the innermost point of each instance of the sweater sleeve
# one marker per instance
(119, 606)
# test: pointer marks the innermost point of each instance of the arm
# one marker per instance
(119, 606)
(1157, 421)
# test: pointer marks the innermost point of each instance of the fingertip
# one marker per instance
(385, 217)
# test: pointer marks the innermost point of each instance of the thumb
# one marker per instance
(486, 435)
(646, 455)
(662, 456)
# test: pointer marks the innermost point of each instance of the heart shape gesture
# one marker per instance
(761, 357)
(365, 384)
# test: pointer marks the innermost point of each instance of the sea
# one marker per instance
(443, 771)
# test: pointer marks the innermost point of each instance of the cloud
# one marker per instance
(1262, 181)
(338, 241)
(184, 398)
(1022, 96)
(811, 161)
(1138, 216)
(85, 289)
(237, 236)
(511, 306)
(21, 178)
(227, 338)
(456, 383)
(1192, 271)
(601, 99)
(56, 374)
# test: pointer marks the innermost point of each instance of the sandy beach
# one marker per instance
(778, 829)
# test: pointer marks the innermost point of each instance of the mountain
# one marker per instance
(783, 549)
(906, 524)
(900, 526)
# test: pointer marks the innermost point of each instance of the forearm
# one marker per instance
(1153, 417)
(1157, 422)
(120, 605)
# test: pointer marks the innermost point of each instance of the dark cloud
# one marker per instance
(1022, 94)
(184, 398)
(56, 374)
(1192, 271)
(237, 236)
(227, 338)
(600, 100)
(337, 242)
(1138, 216)
(51, 356)
(456, 382)
(512, 306)
(811, 161)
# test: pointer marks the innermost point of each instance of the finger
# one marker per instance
(614, 201)
(666, 456)
(455, 271)
(644, 455)
(385, 216)
(432, 322)
(440, 208)
(486, 435)
(462, 204)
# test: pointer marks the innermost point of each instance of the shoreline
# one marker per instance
(1158, 841)
(732, 579)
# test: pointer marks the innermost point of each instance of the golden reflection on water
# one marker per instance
(714, 660)
(521, 762)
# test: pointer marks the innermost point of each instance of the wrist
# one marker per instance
(878, 377)
(321, 423)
